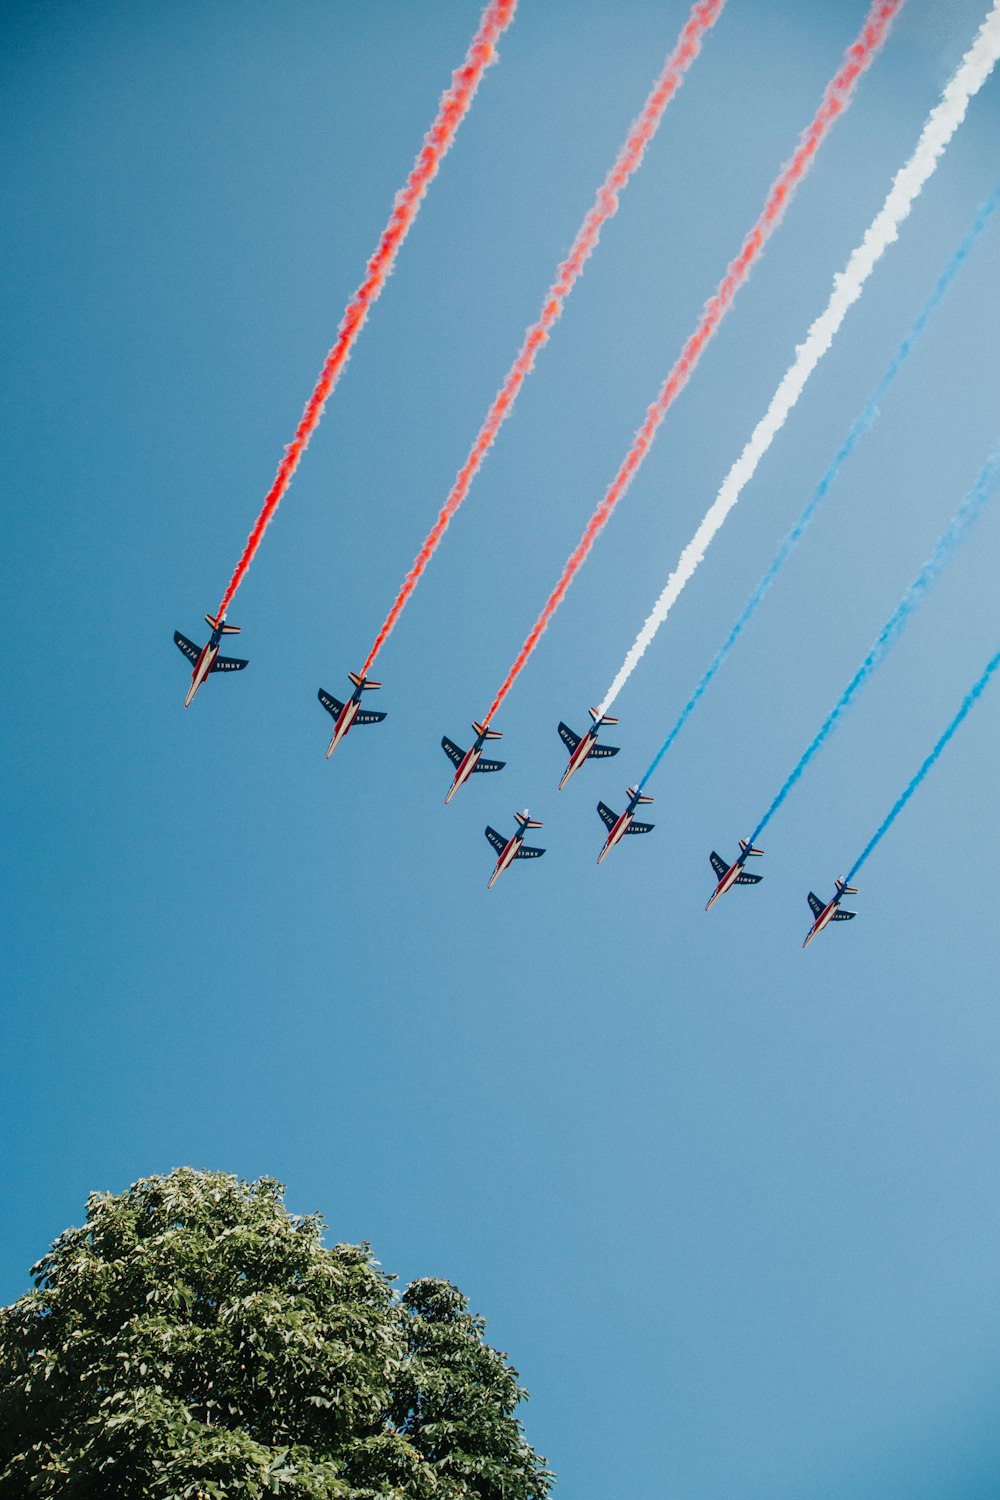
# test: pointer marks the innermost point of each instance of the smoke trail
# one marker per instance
(941, 125)
(968, 702)
(451, 111)
(836, 99)
(862, 425)
(958, 527)
(704, 14)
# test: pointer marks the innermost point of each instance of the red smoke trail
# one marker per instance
(704, 14)
(835, 100)
(451, 111)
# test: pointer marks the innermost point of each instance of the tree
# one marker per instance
(193, 1339)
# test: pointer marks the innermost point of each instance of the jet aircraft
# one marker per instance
(346, 715)
(619, 825)
(514, 847)
(467, 761)
(730, 875)
(831, 912)
(581, 746)
(206, 658)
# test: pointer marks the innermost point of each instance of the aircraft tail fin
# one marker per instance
(490, 734)
(749, 848)
(217, 622)
(364, 683)
(527, 822)
(634, 791)
(846, 890)
(600, 718)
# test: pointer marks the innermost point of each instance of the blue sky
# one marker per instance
(732, 1208)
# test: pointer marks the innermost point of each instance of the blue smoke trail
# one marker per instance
(862, 425)
(958, 527)
(968, 702)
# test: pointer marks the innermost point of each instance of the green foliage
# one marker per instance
(193, 1340)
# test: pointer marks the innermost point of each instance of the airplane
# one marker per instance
(514, 847)
(467, 761)
(581, 746)
(831, 912)
(347, 714)
(206, 658)
(617, 825)
(730, 875)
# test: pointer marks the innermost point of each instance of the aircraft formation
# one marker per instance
(943, 121)
(346, 715)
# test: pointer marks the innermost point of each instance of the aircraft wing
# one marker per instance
(608, 818)
(228, 664)
(525, 853)
(496, 839)
(843, 916)
(452, 751)
(489, 765)
(191, 651)
(566, 734)
(815, 904)
(746, 879)
(639, 827)
(330, 703)
(366, 717)
(718, 864)
(600, 751)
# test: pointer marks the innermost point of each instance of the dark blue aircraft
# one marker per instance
(206, 658)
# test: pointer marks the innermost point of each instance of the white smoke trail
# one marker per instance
(941, 124)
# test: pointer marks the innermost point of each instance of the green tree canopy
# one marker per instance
(193, 1339)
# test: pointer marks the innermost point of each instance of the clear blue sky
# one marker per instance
(733, 1209)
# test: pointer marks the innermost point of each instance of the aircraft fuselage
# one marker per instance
(617, 831)
(506, 859)
(726, 883)
(580, 754)
(823, 920)
(344, 720)
(202, 667)
(465, 768)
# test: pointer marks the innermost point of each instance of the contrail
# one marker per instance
(862, 425)
(941, 125)
(452, 110)
(836, 99)
(958, 528)
(968, 703)
(704, 14)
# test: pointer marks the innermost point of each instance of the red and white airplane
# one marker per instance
(345, 715)
(831, 912)
(619, 825)
(512, 848)
(730, 875)
(580, 747)
(467, 761)
(206, 658)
